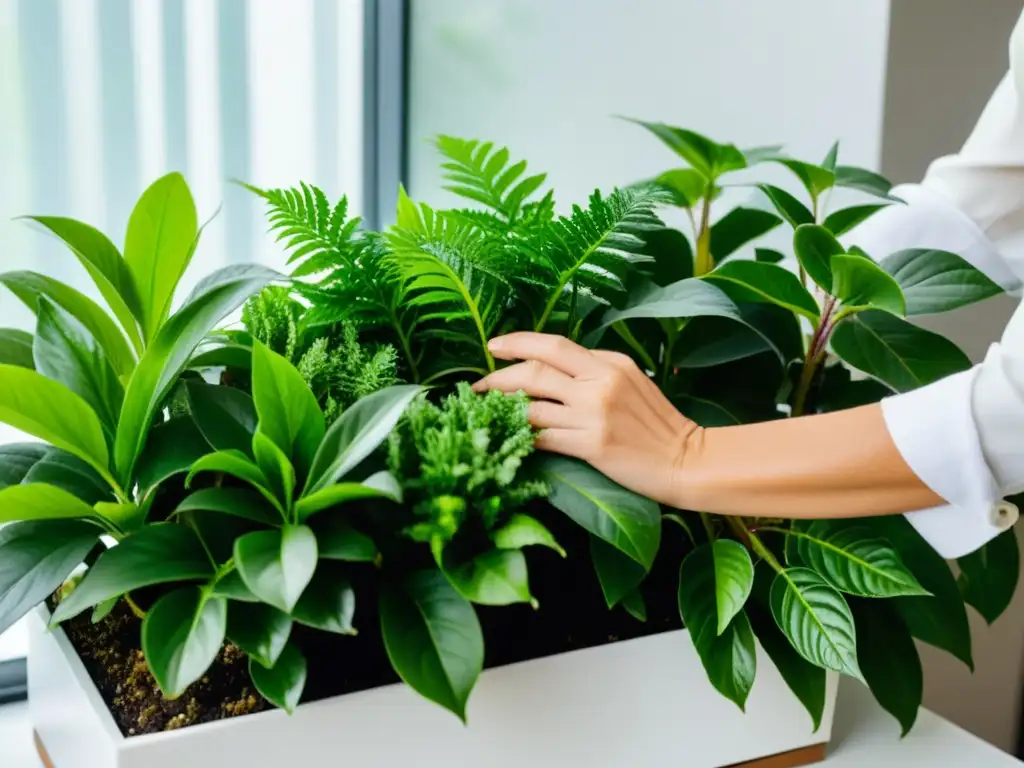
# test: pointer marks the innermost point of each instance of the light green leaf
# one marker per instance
(734, 578)
(494, 577)
(357, 433)
(275, 467)
(896, 352)
(816, 619)
(700, 152)
(842, 221)
(937, 281)
(277, 565)
(686, 186)
(158, 246)
(236, 464)
(829, 162)
(287, 409)
(618, 575)
(988, 576)
(30, 286)
(37, 556)
(260, 630)
(226, 416)
(862, 284)
(282, 684)
(433, 638)
(238, 502)
(38, 501)
(16, 348)
(336, 539)
(814, 178)
(334, 495)
(329, 602)
(156, 554)
(524, 531)
(627, 521)
(761, 282)
(635, 606)
(181, 636)
(815, 246)
(213, 298)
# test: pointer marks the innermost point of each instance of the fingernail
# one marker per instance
(495, 344)
(479, 386)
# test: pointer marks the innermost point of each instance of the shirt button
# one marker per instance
(1004, 514)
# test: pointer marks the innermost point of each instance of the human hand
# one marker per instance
(597, 406)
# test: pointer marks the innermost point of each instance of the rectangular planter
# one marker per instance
(643, 702)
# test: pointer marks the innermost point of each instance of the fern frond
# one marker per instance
(482, 173)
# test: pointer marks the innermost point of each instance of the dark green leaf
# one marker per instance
(39, 463)
(814, 178)
(340, 493)
(896, 352)
(236, 464)
(768, 256)
(328, 603)
(181, 636)
(276, 468)
(700, 152)
(238, 502)
(759, 282)
(635, 605)
(226, 416)
(988, 576)
(739, 227)
(712, 341)
(829, 162)
(231, 586)
(17, 459)
(336, 539)
(36, 557)
(281, 685)
(156, 554)
(842, 221)
(16, 348)
(937, 281)
(791, 209)
(433, 638)
(815, 246)
(864, 181)
(259, 630)
(617, 574)
(277, 565)
(672, 254)
(171, 449)
(524, 531)
(862, 284)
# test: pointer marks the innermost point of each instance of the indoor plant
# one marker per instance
(437, 522)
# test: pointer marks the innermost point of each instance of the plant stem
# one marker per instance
(765, 553)
(709, 529)
(814, 356)
(139, 613)
(739, 528)
(627, 335)
(704, 262)
(403, 339)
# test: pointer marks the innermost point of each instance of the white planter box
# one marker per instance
(642, 703)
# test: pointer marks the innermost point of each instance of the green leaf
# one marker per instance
(287, 409)
(686, 186)
(329, 602)
(158, 246)
(524, 531)
(260, 630)
(768, 256)
(36, 557)
(889, 660)
(333, 495)
(236, 464)
(729, 656)
(238, 502)
(760, 282)
(433, 638)
(896, 352)
(864, 181)
(734, 578)
(105, 266)
(853, 559)
(618, 575)
(481, 173)
(814, 178)
(65, 352)
(791, 209)
(739, 227)
(635, 605)
(282, 684)
(16, 348)
(627, 521)
(829, 162)
(277, 565)
(805, 680)
(842, 221)
(988, 576)
(862, 284)
(29, 287)
(34, 404)
(706, 342)
(156, 554)
(226, 416)
(231, 587)
(336, 539)
(214, 298)
(816, 619)
(40, 463)
(101, 611)
(937, 281)
(181, 636)
(701, 153)
(171, 449)
(275, 467)
(222, 356)
(38, 501)
(357, 433)
(815, 246)
(672, 255)
(494, 577)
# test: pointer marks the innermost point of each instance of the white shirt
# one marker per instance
(964, 435)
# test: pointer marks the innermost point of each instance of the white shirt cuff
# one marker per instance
(945, 452)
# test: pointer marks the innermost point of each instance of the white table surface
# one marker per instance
(863, 736)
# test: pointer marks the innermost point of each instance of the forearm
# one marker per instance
(842, 464)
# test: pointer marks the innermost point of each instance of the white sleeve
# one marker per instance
(964, 435)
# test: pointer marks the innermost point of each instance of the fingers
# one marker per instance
(570, 442)
(536, 379)
(553, 350)
(546, 415)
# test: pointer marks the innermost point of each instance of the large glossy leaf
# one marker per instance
(156, 554)
(38, 501)
(896, 352)
(171, 449)
(617, 574)
(287, 409)
(937, 281)
(853, 559)
(627, 521)
(276, 468)
(864, 180)
(727, 652)
(433, 638)
(739, 227)
(672, 255)
(40, 463)
(277, 565)
(226, 416)
(213, 298)
(686, 186)
(814, 247)
(939, 620)
(31, 286)
(282, 684)
(258, 629)
(105, 266)
(181, 636)
(16, 348)
(36, 557)
(357, 433)
(859, 284)
(816, 619)
(238, 502)
(711, 341)
(814, 178)
(328, 603)
(18, 459)
(333, 495)
(988, 576)
(494, 577)
(791, 209)
(761, 282)
(842, 221)
(707, 157)
(158, 245)
(889, 660)
(236, 464)
(66, 352)
(524, 531)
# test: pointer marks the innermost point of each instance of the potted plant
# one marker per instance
(300, 512)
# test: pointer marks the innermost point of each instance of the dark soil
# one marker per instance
(572, 615)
